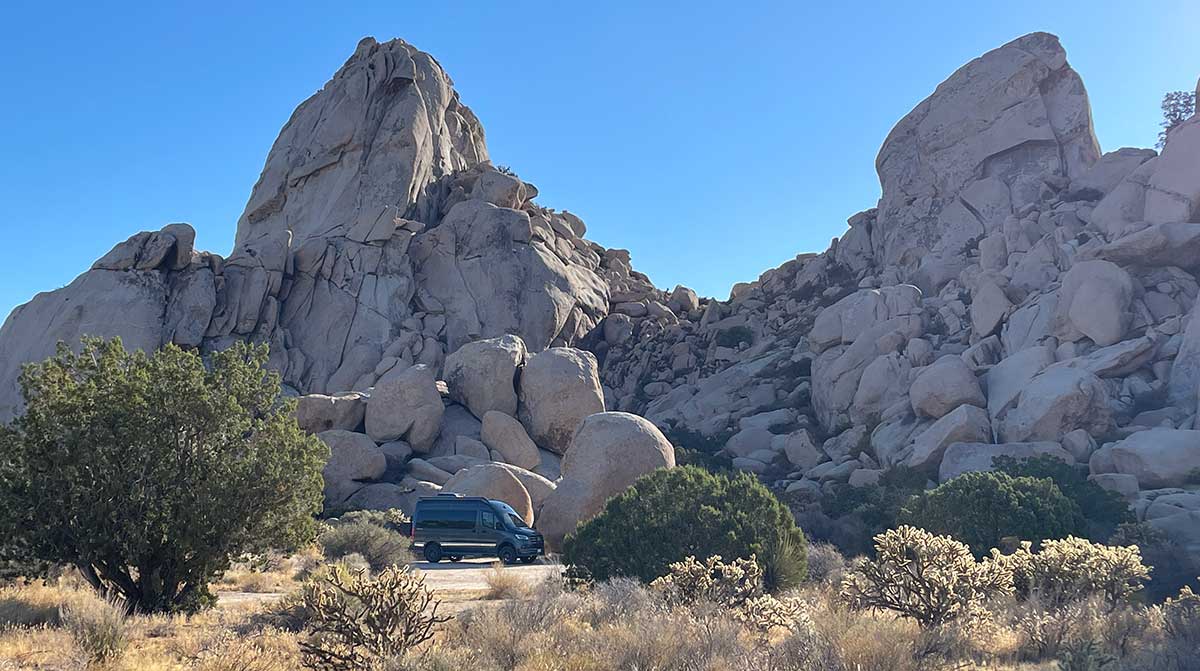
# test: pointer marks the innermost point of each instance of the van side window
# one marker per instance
(489, 520)
(447, 518)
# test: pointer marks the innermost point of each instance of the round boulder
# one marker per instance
(492, 481)
(406, 404)
(317, 412)
(506, 436)
(481, 375)
(944, 386)
(353, 457)
(559, 387)
(1056, 402)
(609, 452)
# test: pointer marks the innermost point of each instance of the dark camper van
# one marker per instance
(452, 526)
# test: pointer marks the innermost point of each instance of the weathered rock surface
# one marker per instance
(944, 386)
(969, 457)
(506, 436)
(353, 459)
(559, 388)
(406, 404)
(1158, 458)
(609, 452)
(482, 375)
(317, 412)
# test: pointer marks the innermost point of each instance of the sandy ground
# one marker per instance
(458, 584)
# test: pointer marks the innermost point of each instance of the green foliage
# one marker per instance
(693, 448)
(931, 579)
(1173, 567)
(1177, 107)
(148, 472)
(1074, 569)
(734, 336)
(358, 622)
(369, 535)
(877, 508)
(982, 509)
(1100, 510)
(685, 511)
(784, 563)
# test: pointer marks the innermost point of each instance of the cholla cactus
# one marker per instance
(1181, 616)
(714, 581)
(737, 586)
(358, 620)
(1074, 568)
(932, 579)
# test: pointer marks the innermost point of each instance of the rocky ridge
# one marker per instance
(1015, 291)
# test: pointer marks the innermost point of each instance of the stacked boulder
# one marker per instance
(526, 429)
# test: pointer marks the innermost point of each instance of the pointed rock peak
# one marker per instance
(386, 126)
(989, 141)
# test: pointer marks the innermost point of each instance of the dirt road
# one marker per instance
(457, 584)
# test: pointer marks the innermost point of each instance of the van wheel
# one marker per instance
(507, 554)
(433, 553)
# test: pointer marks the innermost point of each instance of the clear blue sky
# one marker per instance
(712, 140)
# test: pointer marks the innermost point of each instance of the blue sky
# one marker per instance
(713, 140)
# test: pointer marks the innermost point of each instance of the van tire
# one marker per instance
(507, 554)
(433, 553)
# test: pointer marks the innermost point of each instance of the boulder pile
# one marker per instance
(1015, 291)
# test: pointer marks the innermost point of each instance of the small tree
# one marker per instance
(674, 513)
(148, 471)
(931, 579)
(1177, 107)
(984, 508)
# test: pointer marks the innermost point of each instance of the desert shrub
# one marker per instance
(1177, 107)
(784, 563)
(147, 472)
(380, 545)
(825, 564)
(864, 512)
(97, 627)
(1074, 569)
(982, 509)
(357, 621)
(731, 585)
(1100, 511)
(503, 583)
(931, 579)
(1181, 617)
(685, 511)
(1172, 566)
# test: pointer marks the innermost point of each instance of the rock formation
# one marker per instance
(1013, 292)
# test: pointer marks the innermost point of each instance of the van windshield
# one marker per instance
(507, 512)
(517, 521)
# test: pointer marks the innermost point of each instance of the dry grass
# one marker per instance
(503, 583)
(614, 626)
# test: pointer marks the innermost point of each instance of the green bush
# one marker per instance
(379, 545)
(875, 509)
(693, 448)
(686, 511)
(984, 509)
(147, 472)
(1100, 510)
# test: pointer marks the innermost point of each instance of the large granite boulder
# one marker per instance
(406, 404)
(353, 458)
(508, 438)
(1158, 457)
(559, 388)
(609, 452)
(482, 375)
(317, 412)
(944, 386)
(977, 150)
(968, 457)
(1056, 402)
